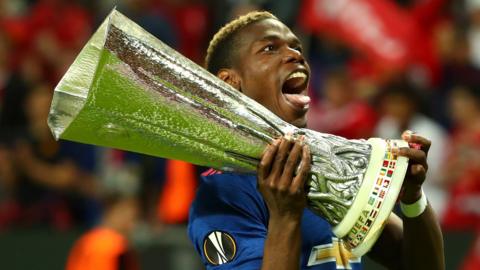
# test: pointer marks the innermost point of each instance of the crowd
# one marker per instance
(63, 184)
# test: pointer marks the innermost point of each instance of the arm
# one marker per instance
(62, 174)
(284, 194)
(56, 175)
(412, 243)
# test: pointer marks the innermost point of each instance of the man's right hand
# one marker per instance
(283, 188)
(279, 181)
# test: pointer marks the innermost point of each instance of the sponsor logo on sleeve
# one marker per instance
(219, 247)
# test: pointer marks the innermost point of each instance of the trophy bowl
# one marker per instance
(128, 90)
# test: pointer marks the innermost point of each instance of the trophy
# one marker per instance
(128, 90)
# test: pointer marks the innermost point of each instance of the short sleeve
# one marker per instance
(228, 222)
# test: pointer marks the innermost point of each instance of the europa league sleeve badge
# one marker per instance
(128, 90)
(219, 248)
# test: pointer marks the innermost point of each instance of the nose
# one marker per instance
(292, 55)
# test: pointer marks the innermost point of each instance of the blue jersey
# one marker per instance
(228, 225)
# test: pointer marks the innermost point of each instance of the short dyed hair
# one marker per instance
(221, 47)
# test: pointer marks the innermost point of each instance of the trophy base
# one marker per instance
(367, 216)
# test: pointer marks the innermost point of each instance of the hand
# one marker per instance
(417, 166)
(282, 186)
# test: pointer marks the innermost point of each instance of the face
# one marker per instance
(271, 69)
(337, 92)
(399, 107)
(463, 107)
(37, 105)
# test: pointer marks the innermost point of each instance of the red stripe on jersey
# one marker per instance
(210, 172)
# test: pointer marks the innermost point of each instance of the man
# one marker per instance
(241, 221)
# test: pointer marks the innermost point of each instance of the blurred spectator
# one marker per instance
(178, 192)
(400, 109)
(339, 112)
(5, 70)
(458, 69)
(166, 187)
(156, 21)
(462, 169)
(29, 75)
(472, 261)
(106, 247)
(181, 24)
(473, 11)
(46, 182)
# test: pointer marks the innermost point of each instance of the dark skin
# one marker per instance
(267, 53)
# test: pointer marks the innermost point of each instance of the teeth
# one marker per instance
(297, 74)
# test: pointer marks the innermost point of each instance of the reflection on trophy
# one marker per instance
(128, 90)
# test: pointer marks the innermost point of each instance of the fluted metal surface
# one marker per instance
(130, 91)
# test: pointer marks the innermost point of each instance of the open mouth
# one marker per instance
(294, 89)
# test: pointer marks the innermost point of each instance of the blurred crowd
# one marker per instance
(62, 185)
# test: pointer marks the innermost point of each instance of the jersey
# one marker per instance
(228, 224)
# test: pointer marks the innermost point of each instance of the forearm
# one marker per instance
(282, 245)
(52, 175)
(423, 242)
(417, 239)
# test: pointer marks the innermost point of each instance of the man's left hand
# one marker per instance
(417, 165)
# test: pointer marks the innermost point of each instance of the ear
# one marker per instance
(231, 77)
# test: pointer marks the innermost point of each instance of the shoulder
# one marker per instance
(228, 211)
(232, 193)
(227, 188)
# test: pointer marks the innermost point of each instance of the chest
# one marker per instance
(321, 249)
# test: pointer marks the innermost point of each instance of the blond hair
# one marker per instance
(220, 47)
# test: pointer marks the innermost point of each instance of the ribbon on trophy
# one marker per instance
(128, 90)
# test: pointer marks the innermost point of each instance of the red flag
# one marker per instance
(380, 29)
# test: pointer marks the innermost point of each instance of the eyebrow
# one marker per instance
(274, 37)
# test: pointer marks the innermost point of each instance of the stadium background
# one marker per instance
(378, 67)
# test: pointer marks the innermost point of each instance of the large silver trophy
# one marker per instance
(128, 90)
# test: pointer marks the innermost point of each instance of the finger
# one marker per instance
(416, 139)
(415, 156)
(280, 157)
(416, 175)
(292, 162)
(418, 170)
(265, 164)
(298, 182)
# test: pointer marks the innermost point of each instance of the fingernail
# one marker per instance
(302, 139)
(288, 136)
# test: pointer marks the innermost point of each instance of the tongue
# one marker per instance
(298, 99)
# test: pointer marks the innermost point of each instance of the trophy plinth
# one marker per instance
(128, 90)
